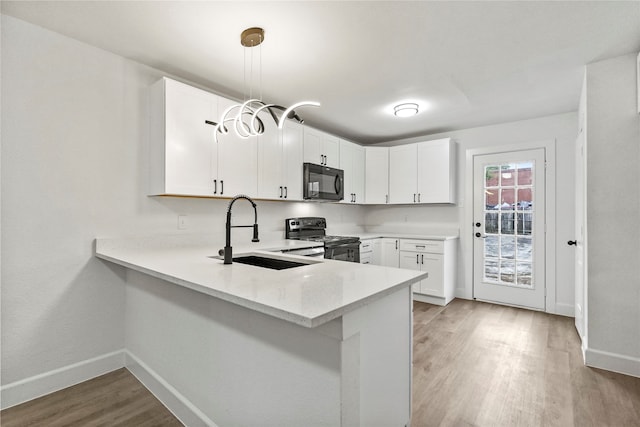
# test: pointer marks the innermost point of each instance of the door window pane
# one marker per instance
(524, 273)
(491, 269)
(508, 247)
(507, 271)
(508, 175)
(524, 249)
(525, 173)
(507, 198)
(525, 198)
(491, 248)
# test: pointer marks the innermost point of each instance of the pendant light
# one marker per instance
(244, 119)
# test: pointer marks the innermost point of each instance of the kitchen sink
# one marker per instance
(273, 263)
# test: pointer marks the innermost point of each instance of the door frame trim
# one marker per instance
(466, 238)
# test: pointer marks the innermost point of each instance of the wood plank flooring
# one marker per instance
(475, 364)
(478, 364)
(114, 399)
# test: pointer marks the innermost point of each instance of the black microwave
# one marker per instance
(322, 183)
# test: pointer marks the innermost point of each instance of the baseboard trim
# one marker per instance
(430, 299)
(171, 398)
(612, 362)
(565, 310)
(39, 385)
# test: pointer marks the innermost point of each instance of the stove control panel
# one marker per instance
(306, 223)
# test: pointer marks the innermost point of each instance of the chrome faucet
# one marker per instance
(227, 251)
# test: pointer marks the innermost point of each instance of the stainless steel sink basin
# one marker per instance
(273, 263)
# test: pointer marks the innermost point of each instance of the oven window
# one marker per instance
(343, 253)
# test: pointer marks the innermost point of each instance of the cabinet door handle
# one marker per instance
(417, 259)
(396, 244)
(414, 197)
(420, 246)
(286, 192)
(355, 198)
(418, 197)
(281, 192)
(221, 187)
(422, 259)
(386, 198)
(215, 186)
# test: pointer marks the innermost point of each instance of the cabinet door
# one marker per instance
(403, 174)
(389, 252)
(270, 161)
(292, 150)
(237, 162)
(358, 174)
(376, 251)
(436, 171)
(376, 175)
(434, 283)
(411, 261)
(331, 149)
(346, 164)
(186, 150)
(312, 146)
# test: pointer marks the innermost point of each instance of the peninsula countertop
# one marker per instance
(309, 295)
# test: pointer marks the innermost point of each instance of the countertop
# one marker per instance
(309, 295)
(366, 236)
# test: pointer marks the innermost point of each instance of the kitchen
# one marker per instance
(75, 152)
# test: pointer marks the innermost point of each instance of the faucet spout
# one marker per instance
(228, 250)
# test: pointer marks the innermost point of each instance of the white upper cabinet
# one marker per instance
(436, 171)
(182, 151)
(280, 161)
(237, 161)
(321, 148)
(184, 157)
(352, 159)
(376, 175)
(403, 174)
(423, 172)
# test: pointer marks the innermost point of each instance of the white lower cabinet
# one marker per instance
(366, 251)
(437, 259)
(389, 252)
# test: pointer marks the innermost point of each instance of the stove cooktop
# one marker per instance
(332, 239)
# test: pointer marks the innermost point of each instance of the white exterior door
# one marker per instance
(509, 228)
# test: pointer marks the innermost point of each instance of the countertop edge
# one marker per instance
(309, 322)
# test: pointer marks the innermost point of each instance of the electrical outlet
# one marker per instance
(182, 222)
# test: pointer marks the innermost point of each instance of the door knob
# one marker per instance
(478, 234)
(478, 224)
(572, 243)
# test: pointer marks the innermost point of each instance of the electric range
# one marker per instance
(345, 248)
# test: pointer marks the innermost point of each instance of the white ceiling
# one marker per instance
(473, 63)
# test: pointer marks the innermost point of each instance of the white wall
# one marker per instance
(562, 128)
(613, 210)
(74, 129)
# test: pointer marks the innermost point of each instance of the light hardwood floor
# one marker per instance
(478, 364)
(114, 399)
(475, 364)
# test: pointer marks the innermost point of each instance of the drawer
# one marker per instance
(365, 258)
(431, 246)
(366, 246)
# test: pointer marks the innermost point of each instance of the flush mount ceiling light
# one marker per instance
(405, 110)
(244, 118)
